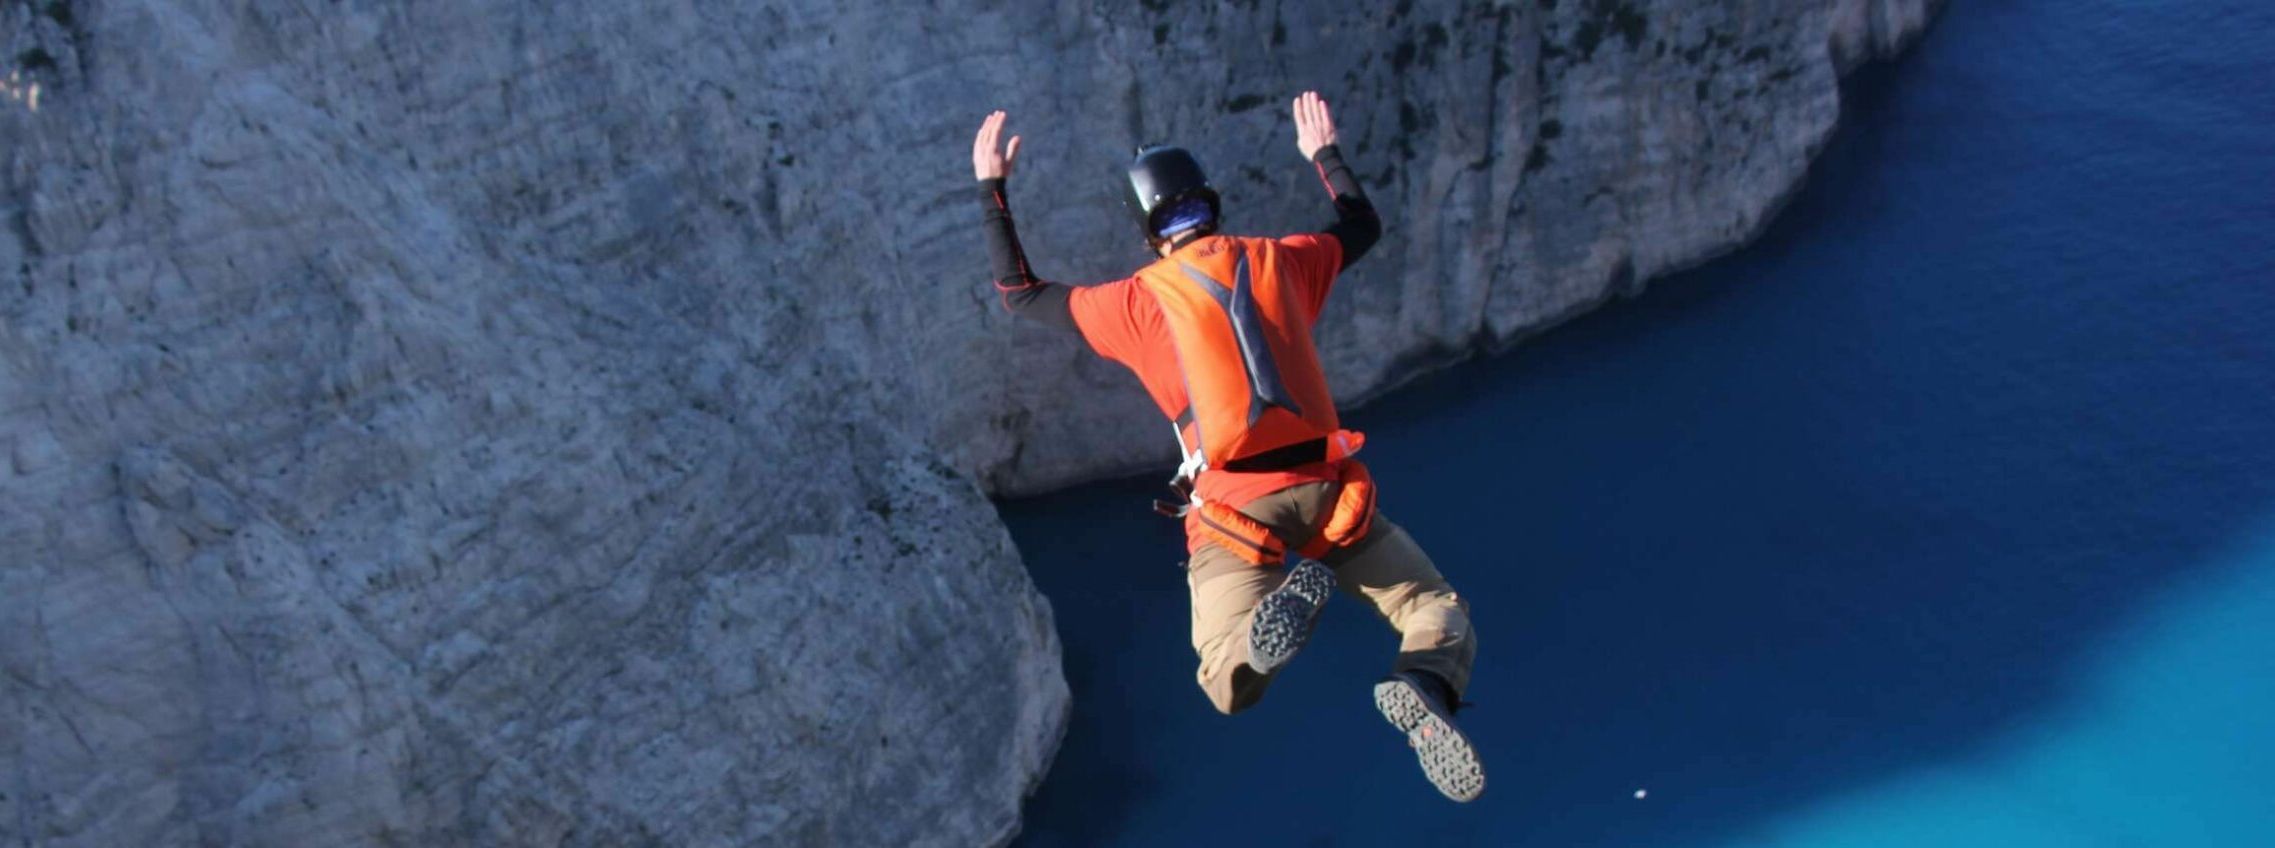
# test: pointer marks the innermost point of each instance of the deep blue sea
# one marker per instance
(1943, 515)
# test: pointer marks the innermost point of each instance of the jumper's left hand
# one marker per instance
(988, 160)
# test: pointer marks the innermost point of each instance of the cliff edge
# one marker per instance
(572, 423)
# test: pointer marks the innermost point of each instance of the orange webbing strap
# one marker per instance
(1352, 516)
(1234, 531)
(1347, 521)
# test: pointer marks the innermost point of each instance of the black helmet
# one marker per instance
(1160, 177)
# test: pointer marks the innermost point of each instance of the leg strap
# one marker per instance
(1352, 515)
(1236, 532)
(1345, 523)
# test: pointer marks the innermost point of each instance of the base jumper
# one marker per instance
(1218, 330)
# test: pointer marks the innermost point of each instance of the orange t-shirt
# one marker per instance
(1123, 322)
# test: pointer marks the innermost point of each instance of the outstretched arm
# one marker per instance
(1356, 226)
(1023, 293)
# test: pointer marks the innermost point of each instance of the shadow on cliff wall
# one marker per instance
(1855, 501)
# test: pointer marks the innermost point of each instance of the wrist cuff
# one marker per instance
(991, 192)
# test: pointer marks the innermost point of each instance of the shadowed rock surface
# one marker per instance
(570, 423)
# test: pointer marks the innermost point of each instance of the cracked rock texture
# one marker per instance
(571, 422)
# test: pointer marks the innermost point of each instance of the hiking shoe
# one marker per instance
(1283, 619)
(1412, 704)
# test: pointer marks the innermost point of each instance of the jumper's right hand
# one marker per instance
(989, 162)
(1313, 128)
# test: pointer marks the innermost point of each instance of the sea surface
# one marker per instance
(1942, 515)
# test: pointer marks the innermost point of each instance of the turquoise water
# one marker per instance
(1943, 515)
(2165, 740)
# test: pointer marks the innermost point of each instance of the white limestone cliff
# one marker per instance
(571, 423)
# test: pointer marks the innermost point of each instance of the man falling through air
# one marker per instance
(1219, 332)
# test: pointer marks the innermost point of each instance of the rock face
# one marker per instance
(570, 423)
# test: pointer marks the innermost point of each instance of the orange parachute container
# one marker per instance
(1252, 377)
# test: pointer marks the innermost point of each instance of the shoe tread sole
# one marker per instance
(1283, 620)
(1447, 758)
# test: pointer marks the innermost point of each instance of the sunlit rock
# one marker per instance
(570, 422)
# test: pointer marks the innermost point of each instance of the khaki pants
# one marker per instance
(1386, 569)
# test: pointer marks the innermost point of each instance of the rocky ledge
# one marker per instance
(573, 422)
